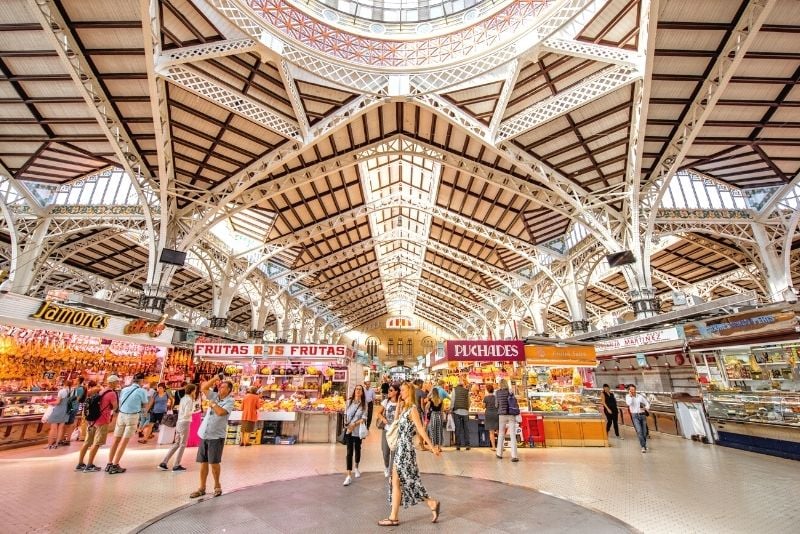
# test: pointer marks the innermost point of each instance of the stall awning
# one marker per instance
(552, 355)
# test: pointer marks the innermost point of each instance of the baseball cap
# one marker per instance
(138, 376)
(112, 378)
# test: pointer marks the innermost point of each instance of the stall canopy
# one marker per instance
(553, 355)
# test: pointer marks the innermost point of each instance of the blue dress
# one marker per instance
(404, 460)
(59, 413)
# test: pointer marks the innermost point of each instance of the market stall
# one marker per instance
(555, 380)
(43, 343)
(655, 362)
(749, 368)
(302, 387)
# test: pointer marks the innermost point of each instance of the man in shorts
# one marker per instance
(97, 431)
(212, 432)
(132, 401)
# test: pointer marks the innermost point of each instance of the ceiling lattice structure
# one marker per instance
(325, 167)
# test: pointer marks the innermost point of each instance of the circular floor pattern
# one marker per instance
(320, 504)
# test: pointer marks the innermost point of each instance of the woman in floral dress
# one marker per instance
(406, 487)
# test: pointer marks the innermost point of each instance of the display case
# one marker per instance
(760, 421)
(662, 416)
(770, 408)
(25, 403)
(569, 419)
(552, 403)
(21, 419)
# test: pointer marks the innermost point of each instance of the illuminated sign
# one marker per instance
(211, 351)
(554, 355)
(65, 315)
(140, 326)
(484, 351)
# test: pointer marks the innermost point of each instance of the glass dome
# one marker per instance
(399, 17)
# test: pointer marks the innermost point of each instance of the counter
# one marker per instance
(579, 430)
(765, 421)
(306, 427)
(21, 418)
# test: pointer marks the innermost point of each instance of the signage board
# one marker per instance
(638, 340)
(212, 351)
(484, 351)
(570, 355)
(59, 314)
(751, 322)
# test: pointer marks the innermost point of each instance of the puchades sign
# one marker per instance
(484, 351)
(212, 351)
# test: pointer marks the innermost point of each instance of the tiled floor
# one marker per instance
(283, 507)
(679, 486)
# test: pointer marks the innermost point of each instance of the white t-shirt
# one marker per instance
(637, 404)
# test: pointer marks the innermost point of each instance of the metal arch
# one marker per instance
(586, 91)
(736, 232)
(159, 107)
(242, 182)
(57, 254)
(206, 87)
(514, 67)
(585, 50)
(64, 42)
(452, 327)
(778, 200)
(31, 203)
(295, 99)
(725, 65)
(426, 300)
(205, 51)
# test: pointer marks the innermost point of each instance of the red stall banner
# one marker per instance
(484, 351)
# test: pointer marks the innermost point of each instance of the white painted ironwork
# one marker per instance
(592, 88)
(202, 52)
(596, 52)
(206, 87)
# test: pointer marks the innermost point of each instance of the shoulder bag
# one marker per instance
(513, 405)
(342, 436)
(393, 433)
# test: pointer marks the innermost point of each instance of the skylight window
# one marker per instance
(111, 187)
(690, 190)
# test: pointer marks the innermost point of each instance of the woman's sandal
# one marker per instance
(435, 511)
(217, 492)
(198, 493)
(388, 522)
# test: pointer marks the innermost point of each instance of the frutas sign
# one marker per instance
(238, 350)
(484, 351)
(65, 315)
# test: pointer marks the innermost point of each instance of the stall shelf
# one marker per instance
(569, 419)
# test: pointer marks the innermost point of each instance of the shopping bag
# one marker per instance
(451, 423)
(170, 420)
(47, 413)
(76, 434)
(363, 431)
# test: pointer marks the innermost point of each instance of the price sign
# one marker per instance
(49, 375)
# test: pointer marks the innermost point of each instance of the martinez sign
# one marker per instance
(484, 351)
(639, 340)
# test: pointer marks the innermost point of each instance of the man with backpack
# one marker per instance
(98, 411)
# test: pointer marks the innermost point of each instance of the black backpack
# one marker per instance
(92, 409)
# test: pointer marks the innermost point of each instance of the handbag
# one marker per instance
(363, 431)
(392, 434)
(513, 405)
(342, 438)
(380, 425)
(170, 420)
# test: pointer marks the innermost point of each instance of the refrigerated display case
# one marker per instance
(21, 418)
(569, 419)
(758, 421)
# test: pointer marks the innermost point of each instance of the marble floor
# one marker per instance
(678, 486)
